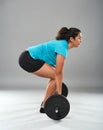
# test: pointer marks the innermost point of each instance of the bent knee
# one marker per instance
(53, 75)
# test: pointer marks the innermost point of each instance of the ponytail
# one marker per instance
(62, 34)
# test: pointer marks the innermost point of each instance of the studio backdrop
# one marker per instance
(25, 23)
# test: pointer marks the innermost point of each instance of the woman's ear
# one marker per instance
(71, 39)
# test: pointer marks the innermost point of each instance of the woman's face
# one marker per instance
(77, 41)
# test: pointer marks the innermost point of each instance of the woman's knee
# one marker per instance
(53, 75)
(52, 81)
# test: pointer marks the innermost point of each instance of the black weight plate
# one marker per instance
(64, 90)
(57, 101)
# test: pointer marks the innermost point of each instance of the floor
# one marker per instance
(19, 110)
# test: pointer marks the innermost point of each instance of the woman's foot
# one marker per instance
(42, 110)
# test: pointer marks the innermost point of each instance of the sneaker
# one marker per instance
(42, 109)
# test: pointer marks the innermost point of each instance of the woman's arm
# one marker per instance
(59, 72)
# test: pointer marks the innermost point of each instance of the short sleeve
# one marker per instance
(62, 49)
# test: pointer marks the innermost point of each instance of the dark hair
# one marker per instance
(65, 33)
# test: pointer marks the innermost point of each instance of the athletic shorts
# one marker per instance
(28, 63)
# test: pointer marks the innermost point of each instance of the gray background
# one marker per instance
(28, 22)
(24, 23)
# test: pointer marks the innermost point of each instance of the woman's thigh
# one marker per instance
(46, 71)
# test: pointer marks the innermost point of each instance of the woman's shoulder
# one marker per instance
(57, 41)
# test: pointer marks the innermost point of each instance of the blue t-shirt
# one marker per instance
(47, 51)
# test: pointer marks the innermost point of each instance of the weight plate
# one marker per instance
(64, 90)
(57, 107)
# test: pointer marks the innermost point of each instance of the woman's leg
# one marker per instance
(50, 90)
(47, 71)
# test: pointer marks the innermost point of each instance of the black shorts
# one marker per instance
(28, 63)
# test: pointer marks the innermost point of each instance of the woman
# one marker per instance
(47, 59)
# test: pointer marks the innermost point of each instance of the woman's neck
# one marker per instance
(70, 45)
